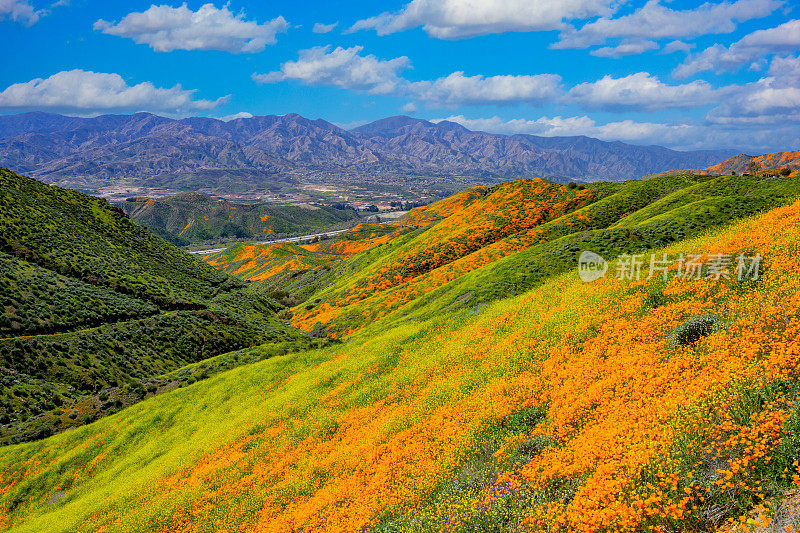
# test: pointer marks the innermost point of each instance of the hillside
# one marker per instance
(121, 152)
(771, 164)
(766, 163)
(485, 403)
(188, 218)
(96, 311)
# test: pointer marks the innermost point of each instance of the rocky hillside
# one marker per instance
(272, 151)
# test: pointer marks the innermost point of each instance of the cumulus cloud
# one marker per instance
(625, 49)
(677, 46)
(86, 92)
(769, 100)
(783, 38)
(349, 69)
(458, 89)
(786, 69)
(165, 28)
(241, 114)
(409, 108)
(457, 19)
(341, 67)
(655, 21)
(626, 130)
(642, 91)
(678, 135)
(19, 11)
(323, 28)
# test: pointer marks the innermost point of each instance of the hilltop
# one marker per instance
(97, 313)
(188, 218)
(740, 164)
(270, 154)
(480, 385)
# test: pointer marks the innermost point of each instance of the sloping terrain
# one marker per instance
(271, 152)
(617, 405)
(766, 164)
(94, 306)
(188, 218)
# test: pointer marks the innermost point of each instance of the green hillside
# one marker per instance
(189, 218)
(94, 307)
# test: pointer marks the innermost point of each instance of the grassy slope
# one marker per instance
(190, 217)
(91, 301)
(555, 406)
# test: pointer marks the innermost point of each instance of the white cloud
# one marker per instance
(654, 21)
(241, 114)
(679, 136)
(769, 100)
(626, 130)
(677, 46)
(457, 19)
(786, 69)
(626, 48)
(86, 92)
(783, 38)
(641, 91)
(342, 67)
(323, 28)
(458, 89)
(19, 11)
(409, 108)
(348, 69)
(165, 28)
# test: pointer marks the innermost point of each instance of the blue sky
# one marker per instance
(724, 74)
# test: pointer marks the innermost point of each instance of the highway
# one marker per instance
(289, 239)
(388, 218)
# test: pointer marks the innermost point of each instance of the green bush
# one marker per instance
(694, 329)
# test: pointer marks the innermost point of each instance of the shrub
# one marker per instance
(694, 329)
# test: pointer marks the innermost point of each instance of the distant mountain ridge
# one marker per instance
(264, 152)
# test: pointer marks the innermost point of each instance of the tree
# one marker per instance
(785, 171)
(753, 168)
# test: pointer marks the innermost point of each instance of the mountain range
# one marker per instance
(269, 152)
